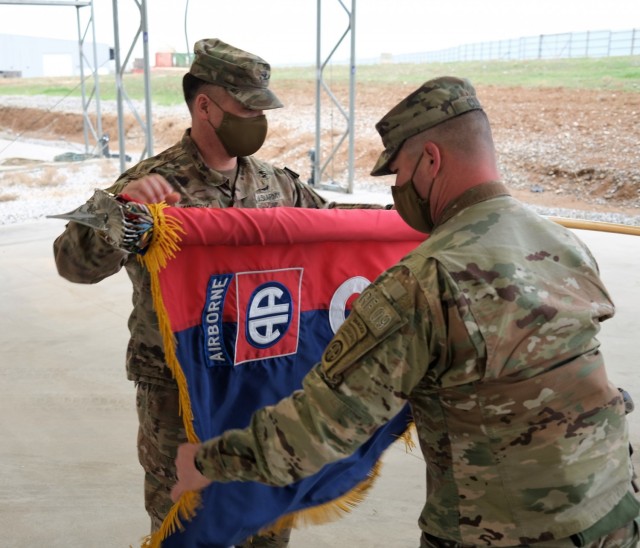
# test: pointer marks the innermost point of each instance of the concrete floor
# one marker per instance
(68, 466)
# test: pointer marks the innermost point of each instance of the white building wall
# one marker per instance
(30, 56)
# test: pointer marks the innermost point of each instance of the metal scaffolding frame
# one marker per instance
(318, 165)
(92, 64)
(142, 32)
(102, 140)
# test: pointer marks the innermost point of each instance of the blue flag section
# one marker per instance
(247, 300)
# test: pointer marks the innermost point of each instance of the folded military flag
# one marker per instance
(247, 300)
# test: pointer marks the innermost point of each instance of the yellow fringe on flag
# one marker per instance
(329, 511)
(340, 507)
(164, 246)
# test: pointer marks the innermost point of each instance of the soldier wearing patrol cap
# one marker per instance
(244, 76)
(226, 90)
(488, 329)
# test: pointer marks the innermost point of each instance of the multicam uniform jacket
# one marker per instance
(488, 330)
(84, 257)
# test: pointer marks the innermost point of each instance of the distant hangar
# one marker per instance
(30, 56)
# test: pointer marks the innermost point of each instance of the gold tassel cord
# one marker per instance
(164, 246)
(582, 224)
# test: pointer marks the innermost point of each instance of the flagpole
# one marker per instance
(583, 224)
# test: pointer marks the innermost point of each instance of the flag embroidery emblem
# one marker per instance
(212, 324)
(268, 305)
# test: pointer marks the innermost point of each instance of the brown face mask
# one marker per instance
(240, 136)
(414, 210)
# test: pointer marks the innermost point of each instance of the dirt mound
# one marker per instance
(558, 147)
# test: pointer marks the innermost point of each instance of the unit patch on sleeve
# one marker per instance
(376, 311)
(372, 319)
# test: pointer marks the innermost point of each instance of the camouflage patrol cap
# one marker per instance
(432, 103)
(244, 75)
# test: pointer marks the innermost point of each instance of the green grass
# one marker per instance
(621, 73)
(610, 73)
(166, 89)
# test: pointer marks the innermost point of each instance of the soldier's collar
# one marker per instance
(473, 196)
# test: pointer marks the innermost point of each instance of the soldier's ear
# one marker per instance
(201, 105)
(204, 102)
(432, 153)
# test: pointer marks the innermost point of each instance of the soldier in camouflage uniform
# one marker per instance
(226, 90)
(488, 330)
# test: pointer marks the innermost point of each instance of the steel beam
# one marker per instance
(319, 163)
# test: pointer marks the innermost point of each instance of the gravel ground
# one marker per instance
(74, 184)
(561, 162)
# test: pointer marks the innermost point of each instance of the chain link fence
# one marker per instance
(602, 43)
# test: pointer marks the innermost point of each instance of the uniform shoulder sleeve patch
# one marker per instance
(373, 318)
(376, 311)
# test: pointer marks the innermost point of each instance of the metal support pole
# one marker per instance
(352, 99)
(147, 78)
(318, 150)
(86, 101)
(121, 93)
(119, 86)
(318, 167)
(83, 92)
(97, 78)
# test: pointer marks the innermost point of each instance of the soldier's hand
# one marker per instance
(189, 478)
(151, 189)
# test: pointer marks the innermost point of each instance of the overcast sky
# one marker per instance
(284, 31)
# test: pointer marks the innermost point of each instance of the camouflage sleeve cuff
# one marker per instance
(208, 462)
(198, 465)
